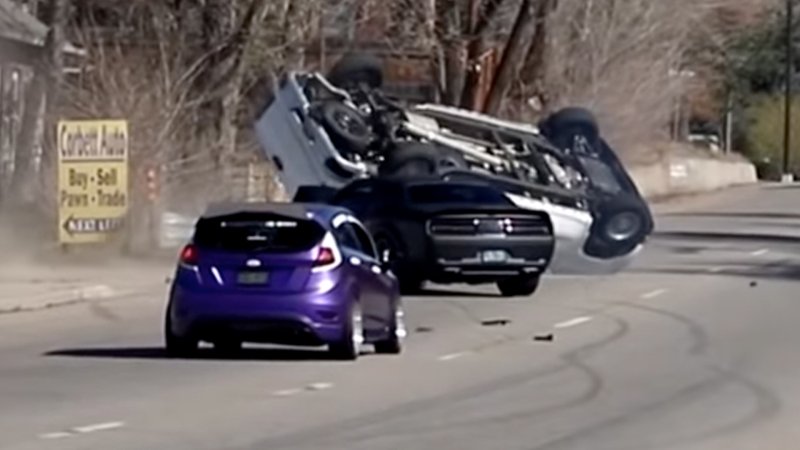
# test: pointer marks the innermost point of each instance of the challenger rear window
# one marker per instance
(456, 193)
(257, 232)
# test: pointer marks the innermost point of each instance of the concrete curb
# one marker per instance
(686, 175)
(57, 298)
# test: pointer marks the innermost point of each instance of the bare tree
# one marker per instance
(41, 102)
(622, 58)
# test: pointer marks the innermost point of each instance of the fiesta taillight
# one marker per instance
(189, 255)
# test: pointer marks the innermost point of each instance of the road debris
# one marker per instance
(495, 322)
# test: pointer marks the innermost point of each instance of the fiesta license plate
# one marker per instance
(494, 256)
(253, 277)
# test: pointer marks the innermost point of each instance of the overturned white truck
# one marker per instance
(331, 130)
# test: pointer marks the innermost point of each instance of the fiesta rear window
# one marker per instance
(456, 193)
(257, 232)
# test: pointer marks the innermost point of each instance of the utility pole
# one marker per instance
(787, 130)
(728, 121)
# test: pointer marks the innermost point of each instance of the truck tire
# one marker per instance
(346, 127)
(416, 159)
(355, 69)
(564, 125)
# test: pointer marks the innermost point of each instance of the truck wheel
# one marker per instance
(345, 126)
(419, 159)
(563, 126)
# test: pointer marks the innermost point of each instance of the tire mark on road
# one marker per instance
(103, 312)
(362, 429)
(766, 404)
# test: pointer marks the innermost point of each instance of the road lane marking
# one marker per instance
(572, 322)
(96, 292)
(98, 427)
(452, 356)
(761, 252)
(56, 435)
(286, 392)
(716, 269)
(322, 385)
(654, 294)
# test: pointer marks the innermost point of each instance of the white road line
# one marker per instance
(96, 292)
(572, 322)
(319, 386)
(56, 435)
(98, 427)
(286, 392)
(654, 294)
(451, 356)
(716, 269)
(761, 252)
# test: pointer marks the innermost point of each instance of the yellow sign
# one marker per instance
(92, 179)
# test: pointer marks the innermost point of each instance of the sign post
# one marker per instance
(92, 179)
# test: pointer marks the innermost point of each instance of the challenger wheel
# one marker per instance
(521, 286)
(391, 252)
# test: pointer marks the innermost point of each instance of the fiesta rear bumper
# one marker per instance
(292, 319)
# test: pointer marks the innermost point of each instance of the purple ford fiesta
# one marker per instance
(282, 273)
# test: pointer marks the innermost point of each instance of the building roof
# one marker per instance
(17, 25)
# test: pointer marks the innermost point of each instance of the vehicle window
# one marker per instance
(347, 237)
(360, 192)
(455, 193)
(356, 198)
(365, 240)
(257, 232)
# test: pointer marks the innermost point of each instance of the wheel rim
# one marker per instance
(357, 337)
(385, 249)
(623, 226)
(400, 331)
(349, 124)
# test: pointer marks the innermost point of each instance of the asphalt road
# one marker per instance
(694, 348)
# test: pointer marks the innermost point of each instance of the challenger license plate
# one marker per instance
(494, 256)
(251, 277)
